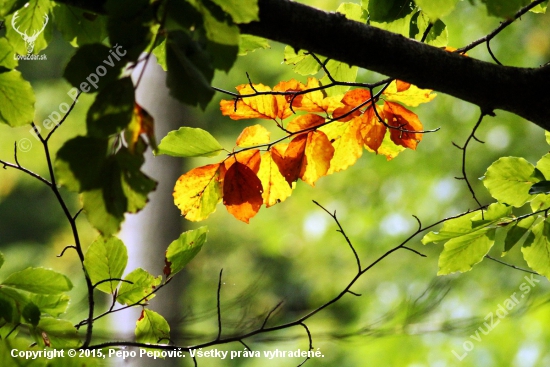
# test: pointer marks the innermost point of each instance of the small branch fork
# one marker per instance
(301, 321)
(464, 149)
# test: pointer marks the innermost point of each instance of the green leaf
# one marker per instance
(494, 213)
(353, 11)
(56, 333)
(220, 31)
(249, 43)
(181, 15)
(9, 6)
(80, 162)
(242, 11)
(452, 228)
(31, 314)
(16, 99)
(7, 55)
(543, 165)
(106, 258)
(142, 285)
(2, 259)
(160, 54)
(112, 109)
(516, 232)
(53, 305)
(536, 248)
(547, 136)
(189, 142)
(31, 19)
(504, 9)
(436, 9)
(540, 8)
(509, 180)
(93, 67)
(184, 249)
(39, 280)
(152, 328)
(389, 10)
(540, 202)
(189, 70)
(304, 63)
(339, 71)
(78, 26)
(438, 35)
(461, 253)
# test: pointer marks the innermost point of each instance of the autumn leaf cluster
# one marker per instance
(327, 134)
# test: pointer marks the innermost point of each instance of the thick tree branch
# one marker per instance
(517, 90)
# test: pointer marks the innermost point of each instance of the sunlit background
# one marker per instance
(405, 316)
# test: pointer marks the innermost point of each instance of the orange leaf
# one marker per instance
(250, 158)
(141, 123)
(242, 192)
(305, 122)
(404, 119)
(253, 135)
(197, 192)
(262, 106)
(274, 184)
(283, 102)
(372, 130)
(290, 165)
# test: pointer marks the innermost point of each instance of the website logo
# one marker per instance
(29, 40)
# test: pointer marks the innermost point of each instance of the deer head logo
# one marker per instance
(29, 40)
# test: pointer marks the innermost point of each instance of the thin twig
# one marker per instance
(512, 266)
(218, 306)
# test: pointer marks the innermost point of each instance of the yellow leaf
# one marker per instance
(408, 94)
(198, 192)
(276, 189)
(318, 154)
(347, 142)
(253, 135)
(261, 106)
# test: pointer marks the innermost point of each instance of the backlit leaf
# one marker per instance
(461, 253)
(140, 288)
(509, 180)
(198, 192)
(372, 130)
(6, 55)
(183, 250)
(249, 43)
(152, 328)
(275, 187)
(242, 192)
(253, 135)
(56, 333)
(39, 280)
(436, 9)
(516, 232)
(304, 122)
(16, 99)
(408, 94)
(261, 106)
(536, 248)
(347, 142)
(406, 123)
(34, 18)
(189, 142)
(318, 154)
(105, 259)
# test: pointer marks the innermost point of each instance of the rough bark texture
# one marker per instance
(518, 90)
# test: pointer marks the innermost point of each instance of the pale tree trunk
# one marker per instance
(148, 233)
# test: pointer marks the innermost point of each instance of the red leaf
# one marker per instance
(242, 192)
